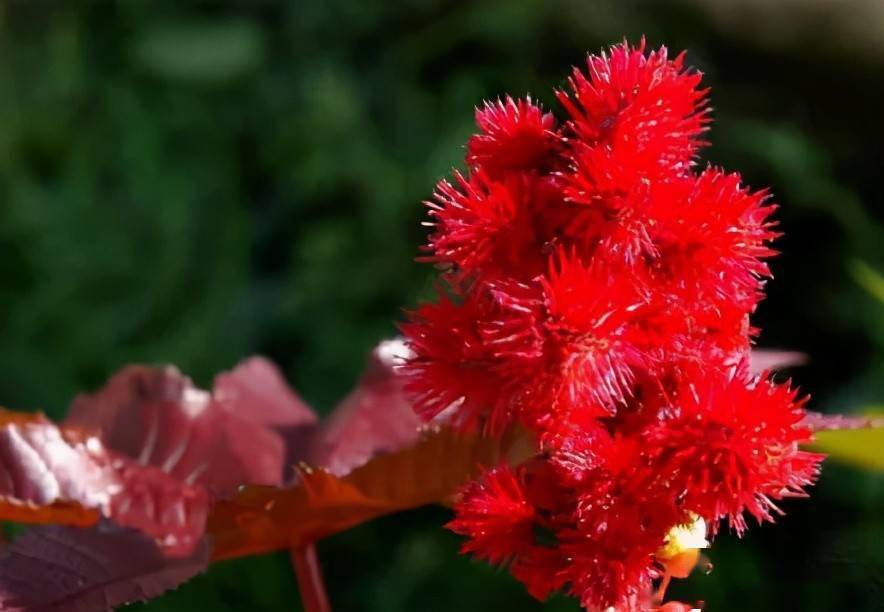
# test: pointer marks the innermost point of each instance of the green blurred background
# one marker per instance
(197, 182)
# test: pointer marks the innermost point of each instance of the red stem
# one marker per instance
(310, 582)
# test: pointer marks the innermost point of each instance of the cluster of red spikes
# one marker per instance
(596, 289)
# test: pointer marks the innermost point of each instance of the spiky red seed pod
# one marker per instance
(597, 289)
(515, 135)
(452, 366)
(731, 446)
(504, 515)
(476, 350)
(488, 228)
(495, 514)
(614, 573)
(646, 108)
(590, 322)
(711, 238)
(614, 202)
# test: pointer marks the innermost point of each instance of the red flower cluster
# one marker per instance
(596, 289)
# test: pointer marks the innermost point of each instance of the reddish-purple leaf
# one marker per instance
(157, 416)
(48, 475)
(256, 390)
(818, 421)
(45, 479)
(761, 360)
(64, 569)
(259, 520)
(376, 417)
(155, 503)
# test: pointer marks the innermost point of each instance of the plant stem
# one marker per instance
(310, 582)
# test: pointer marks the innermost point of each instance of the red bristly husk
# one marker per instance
(596, 289)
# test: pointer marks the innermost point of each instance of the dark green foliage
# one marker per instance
(192, 184)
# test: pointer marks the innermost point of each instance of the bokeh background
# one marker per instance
(196, 182)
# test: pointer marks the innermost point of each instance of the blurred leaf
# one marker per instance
(80, 570)
(376, 417)
(263, 519)
(818, 421)
(257, 390)
(205, 52)
(761, 360)
(56, 476)
(868, 278)
(861, 443)
(46, 479)
(219, 441)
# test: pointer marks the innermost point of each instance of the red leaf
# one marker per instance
(256, 390)
(761, 360)
(43, 479)
(156, 504)
(263, 519)
(376, 417)
(159, 417)
(818, 421)
(51, 476)
(63, 569)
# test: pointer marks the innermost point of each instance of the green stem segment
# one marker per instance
(310, 582)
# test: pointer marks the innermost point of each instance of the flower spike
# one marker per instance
(597, 289)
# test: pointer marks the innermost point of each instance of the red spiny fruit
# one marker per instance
(615, 202)
(477, 355)
(592, 346)
(509, 516)
(597, 289)
(614, 571)
(576, 446)
(635, 119)
(497, 516)
(645, 108)
(487, 227)
(619, 524)
(515, 135)
(711, 238)
(731, 446)
(452, 365)
(678, 332)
